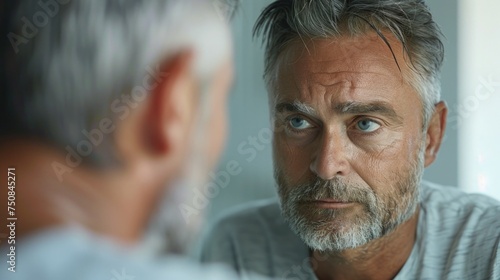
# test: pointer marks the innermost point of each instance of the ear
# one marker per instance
(435, 132)
(172, 105)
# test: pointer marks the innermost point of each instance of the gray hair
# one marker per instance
(410, 21)
(78, 56)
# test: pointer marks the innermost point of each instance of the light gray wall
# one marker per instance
(249, 117)
(445, 169)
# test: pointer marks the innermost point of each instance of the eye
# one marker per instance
(367, 125)
(299, 123)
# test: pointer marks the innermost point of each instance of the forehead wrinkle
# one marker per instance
(328, 76)
(351, 83)
(345, 61)
(341, 71)
(334, 75)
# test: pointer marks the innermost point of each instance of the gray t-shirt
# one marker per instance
(75, 254)
(458, 237)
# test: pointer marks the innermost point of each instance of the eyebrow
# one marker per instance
(360, 108)
(345, 108)
(295, 107)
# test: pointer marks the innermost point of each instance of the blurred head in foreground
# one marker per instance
(114, 111)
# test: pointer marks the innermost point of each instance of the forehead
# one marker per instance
(346, 68)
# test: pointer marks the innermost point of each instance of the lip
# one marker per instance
(330, 203)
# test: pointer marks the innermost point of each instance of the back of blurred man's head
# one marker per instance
(116, 102)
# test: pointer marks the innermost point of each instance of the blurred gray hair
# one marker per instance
(410, 21)
(91, 52)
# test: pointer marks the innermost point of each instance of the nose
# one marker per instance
(330, 157)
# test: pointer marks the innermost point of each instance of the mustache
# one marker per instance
(334, 189)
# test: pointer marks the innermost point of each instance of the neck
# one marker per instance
(100, 203)
(382, 258)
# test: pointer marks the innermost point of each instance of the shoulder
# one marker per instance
(460, 231)
(76, 254)
(241, 226)
(251, 237)
(450, 210)
(453, 201)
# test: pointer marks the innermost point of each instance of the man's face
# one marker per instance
(348, 143)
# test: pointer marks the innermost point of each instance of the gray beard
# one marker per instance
(335, 230)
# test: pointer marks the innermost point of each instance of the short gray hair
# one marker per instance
(89, 53)
(410, 21)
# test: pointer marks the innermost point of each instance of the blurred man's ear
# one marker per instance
(172, 105)
(158, 128)
(435, 132)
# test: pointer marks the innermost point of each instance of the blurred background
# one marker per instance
(469, 155)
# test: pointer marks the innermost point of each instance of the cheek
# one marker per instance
(386, 166)
(293, 162)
